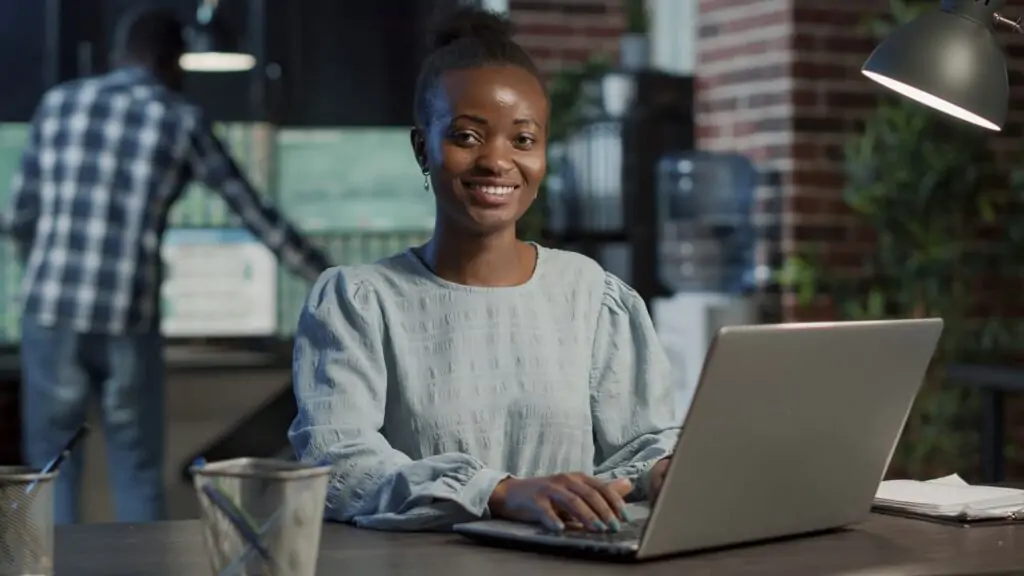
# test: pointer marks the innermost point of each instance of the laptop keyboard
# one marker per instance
(628, 533)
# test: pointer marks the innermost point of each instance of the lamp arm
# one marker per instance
(1014, 25)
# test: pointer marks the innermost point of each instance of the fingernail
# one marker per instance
(615, 525)
(599, 526)
(557, 526)
(626, 516)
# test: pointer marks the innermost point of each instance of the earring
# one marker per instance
(426, 179)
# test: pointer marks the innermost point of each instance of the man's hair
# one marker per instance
(469, 37)
(150, 35)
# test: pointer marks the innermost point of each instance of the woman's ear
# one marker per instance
(419, 148)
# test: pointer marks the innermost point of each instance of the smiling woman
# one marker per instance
(483, 147)
(477, 374)
(481, 117)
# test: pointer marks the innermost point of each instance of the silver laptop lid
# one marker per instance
(790, 431)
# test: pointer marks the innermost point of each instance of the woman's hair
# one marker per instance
(468, 37)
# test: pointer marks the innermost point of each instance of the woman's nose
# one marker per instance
(495, 158)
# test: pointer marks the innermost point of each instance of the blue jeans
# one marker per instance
(61, 370)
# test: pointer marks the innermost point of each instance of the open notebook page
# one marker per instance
(949, 496)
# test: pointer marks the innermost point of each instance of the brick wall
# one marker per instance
(779, 80)
(745, 101)
(560, 32)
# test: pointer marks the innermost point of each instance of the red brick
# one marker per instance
(820, 70)
(755, 22)
(717, 105)
(545, 29)
(848, 99)
(804, 97)
(816, 178)
(606, 31)
(780, 152)
(712, 5)
(847, 44)
(727, 53)
(806, 151)
(574, 54)
(845, 259)
(707, 132)
(804, 42)
(747, 128)
(748, 75)
(544, 32)
(823, 15)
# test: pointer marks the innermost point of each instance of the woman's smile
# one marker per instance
(491, 191)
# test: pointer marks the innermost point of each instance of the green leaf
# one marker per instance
(636, 16)
(986, 209)
(876, 304)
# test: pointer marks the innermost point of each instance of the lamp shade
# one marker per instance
(947, 61)
(210, 47)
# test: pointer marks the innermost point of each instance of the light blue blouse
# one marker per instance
(424, 394)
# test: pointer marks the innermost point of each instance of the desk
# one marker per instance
(882, 545)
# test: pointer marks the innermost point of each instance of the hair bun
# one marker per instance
(472, 22)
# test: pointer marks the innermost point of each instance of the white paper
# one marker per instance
(950, 496)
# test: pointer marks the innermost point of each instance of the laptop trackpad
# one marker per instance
(638, 512)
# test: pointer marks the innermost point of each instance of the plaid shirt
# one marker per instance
(106, 159)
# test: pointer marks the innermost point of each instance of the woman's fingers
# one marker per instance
(570, 522)
(549, 516)
(580, 501)
(600, 501)
(570, 503)
(621, 486)
(610, 491)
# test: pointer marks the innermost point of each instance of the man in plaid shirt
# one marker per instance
(106, 159)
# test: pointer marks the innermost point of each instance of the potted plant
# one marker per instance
(634, 47)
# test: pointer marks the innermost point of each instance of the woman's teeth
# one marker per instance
(495, 190)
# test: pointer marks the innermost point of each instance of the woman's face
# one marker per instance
(485, 146)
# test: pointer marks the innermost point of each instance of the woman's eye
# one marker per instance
(524, 141)
(464, 138)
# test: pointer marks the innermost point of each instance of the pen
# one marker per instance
(57, 460)
(237, 519)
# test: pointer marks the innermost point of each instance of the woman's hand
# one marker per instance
(557, 500)
(658, 478)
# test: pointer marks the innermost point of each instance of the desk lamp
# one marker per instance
(210, 45)
(948, 59)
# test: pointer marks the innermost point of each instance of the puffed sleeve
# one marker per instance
(636, 421)
(340, 379)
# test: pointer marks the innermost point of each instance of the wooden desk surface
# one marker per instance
(882, 545)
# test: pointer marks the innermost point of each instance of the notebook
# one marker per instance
(950, 498)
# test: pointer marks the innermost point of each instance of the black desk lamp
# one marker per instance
(948, 59)
(210, 45)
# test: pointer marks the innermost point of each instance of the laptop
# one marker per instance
(790, 431)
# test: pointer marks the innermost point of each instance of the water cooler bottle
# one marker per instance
(706, 239)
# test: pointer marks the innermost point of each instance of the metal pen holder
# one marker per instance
(26, 522)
